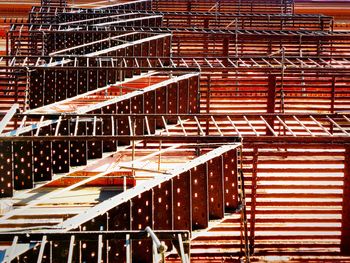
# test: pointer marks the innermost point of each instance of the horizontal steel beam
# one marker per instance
(54, 235)
(217, 139)
(210, 64)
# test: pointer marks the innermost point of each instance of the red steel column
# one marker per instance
(271, 101)
(345, 230)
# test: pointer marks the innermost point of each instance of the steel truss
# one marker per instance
(249, 63)
(250, 7)
(118, 86)
(330, 128)
(203, 20)
(184, 208)
(186, 42)
(91, 245)
(273, 6)
(47, 14)
(294, 81)
(166, 92)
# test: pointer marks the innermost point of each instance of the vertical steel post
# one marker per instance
(253, 200)
(345, 226)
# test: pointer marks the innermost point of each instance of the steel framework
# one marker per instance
(223, 126)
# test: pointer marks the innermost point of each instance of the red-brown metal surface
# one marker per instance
(106, 92)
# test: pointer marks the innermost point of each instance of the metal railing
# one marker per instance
(88, 246)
